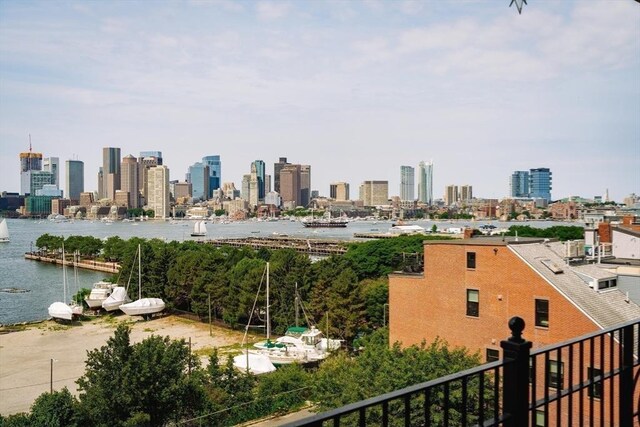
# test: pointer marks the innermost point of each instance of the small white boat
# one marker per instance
(4, 231)
(116, 299)
(257, 363)
(60, 310)
(142, 306)
(199, 229)
(99, 293)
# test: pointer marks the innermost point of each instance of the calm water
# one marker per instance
(45, 281)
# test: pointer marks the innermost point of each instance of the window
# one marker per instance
(493, 355)
(540, 419)
(471, 260)
(542, 313)
(473, 302)
(612, 283)
(595, 389)
(555, 374)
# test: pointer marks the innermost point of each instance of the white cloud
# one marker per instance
(270, 11)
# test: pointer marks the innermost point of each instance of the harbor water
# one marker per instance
(40, 284)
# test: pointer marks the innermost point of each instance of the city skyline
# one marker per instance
(474, 86)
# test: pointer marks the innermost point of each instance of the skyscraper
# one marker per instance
(425, 182)
(519, 184)
(52, 164)
(110, 172)
(215, 172)
(29, 161)
(466, 193)
(74, 180)
(260, 175)
(540, 183)
(277, 167)
(159, 191)
(290, 184)
(199, 178)
(339, 190)
(129, 180)
(374, 193)
(146, 160)
(305, 185)
(407, 182)
(451, 195)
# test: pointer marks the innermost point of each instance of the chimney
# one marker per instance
(468, 233)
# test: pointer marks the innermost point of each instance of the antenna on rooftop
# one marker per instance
(30, 143)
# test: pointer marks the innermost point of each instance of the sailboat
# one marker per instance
(299, 345)
(142, 306)
(76, 306)
(199, 229)
(61, 310)
(4, 231)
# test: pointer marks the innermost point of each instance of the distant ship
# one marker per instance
(325, 223)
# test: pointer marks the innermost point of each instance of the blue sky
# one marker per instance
(354, 88)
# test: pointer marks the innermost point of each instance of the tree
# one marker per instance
(49, 242)
(57, 409)
(125, 384)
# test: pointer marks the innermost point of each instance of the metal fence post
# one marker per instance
(626, 377)
(515, 390)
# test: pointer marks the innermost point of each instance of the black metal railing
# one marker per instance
(590, 380)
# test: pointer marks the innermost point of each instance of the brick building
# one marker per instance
(470, 289)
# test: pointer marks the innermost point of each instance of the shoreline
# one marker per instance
(105, 267)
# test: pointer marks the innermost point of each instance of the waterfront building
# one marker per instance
(519, 184)
(59, 205)
(86, 199)
(339, 191)
(52, 164)
(451, 195)
(540, 183)
(290, 184)
(146, 160)
(122, 198)
(199, 178)
(129, 180)
(159, 199)
(180, 190)
(374, 193)
(425, 183)
(74, 179)
(407, 182)
(305, 185)
(110, 172)
(38, 206)
(277, 167)
(33, 180)
(215, 172)
(466, 193)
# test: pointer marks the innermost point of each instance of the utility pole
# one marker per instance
(209, 299)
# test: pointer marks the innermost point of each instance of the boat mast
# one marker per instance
(139, 273)
(295, 302)
(64, 270)
(268, 321)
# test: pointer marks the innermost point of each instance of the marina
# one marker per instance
(36, 284)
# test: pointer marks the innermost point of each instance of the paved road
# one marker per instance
(279, 421)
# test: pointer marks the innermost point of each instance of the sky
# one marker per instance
(354, 88)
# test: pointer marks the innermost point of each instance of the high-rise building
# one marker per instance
(52, 164)
(74, 180)
(180, 190)
(374, 193)
(519, 184)
(260, 175)
(305, 185)
(245, 187)
(146, 160)
(110, 172)
(451, 195)
(277, 167)
(407, 182)
(290, 184)
(267, 184)
(29, 161)
(540, 183)
(34, 180)
(425, 183)
(339, 191)
(159, 199)
(199, 176)
(466, 193)
(215, 172)
(254, 186)
(129, 180)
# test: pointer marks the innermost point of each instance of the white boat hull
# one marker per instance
(143, 307)
(258, 363)
(116, 299)
(60, 310)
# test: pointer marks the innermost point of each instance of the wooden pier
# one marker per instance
(107, 267)
(316, 247)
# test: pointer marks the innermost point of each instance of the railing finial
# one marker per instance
(516, 324)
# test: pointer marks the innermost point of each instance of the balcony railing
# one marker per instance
(591, 380)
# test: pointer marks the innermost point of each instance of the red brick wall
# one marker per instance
(434, 305)
(604, 231)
